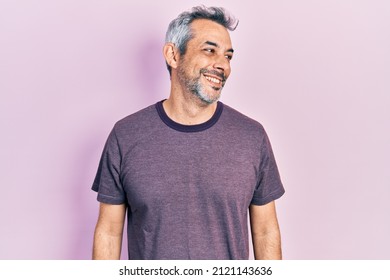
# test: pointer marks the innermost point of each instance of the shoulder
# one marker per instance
(136, 121)
(137, 117)
(136, 126)
(241, 122)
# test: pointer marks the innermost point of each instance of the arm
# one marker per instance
(108, 233)
(265, 232)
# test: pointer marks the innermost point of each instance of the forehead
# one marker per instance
(206, 30)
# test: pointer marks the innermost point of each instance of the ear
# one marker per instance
(171, 54)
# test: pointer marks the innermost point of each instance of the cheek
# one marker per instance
(228, 71)
(201, 62)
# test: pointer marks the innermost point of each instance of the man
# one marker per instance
(188, 168)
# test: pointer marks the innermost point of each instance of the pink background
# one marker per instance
(316, 74)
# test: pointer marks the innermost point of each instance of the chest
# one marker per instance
(189, 169)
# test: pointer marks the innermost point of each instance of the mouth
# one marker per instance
(215, 81)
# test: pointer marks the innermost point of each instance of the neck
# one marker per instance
(188, 109)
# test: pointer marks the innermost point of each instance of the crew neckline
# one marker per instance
(189, 128)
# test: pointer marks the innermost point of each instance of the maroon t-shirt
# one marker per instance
(187, 188)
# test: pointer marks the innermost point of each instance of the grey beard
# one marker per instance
(196, 89)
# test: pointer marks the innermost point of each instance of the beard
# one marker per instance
(195, 86)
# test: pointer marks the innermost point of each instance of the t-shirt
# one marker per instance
(187, 187)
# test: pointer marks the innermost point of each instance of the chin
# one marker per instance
(209, 99)
(209, 96)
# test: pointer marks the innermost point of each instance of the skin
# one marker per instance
(208, 53)
(265, 232)
(182, 105)
(108, 232)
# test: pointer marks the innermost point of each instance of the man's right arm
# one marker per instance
(108, 232)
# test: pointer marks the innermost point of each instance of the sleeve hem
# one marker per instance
(110, 200)
(269, 198)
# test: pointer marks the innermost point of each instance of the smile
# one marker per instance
(213, 79)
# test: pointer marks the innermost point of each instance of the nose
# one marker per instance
(222, 64)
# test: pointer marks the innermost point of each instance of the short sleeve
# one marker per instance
(107, 182)
(269, 185)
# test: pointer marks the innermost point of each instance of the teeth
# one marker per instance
(214, 80)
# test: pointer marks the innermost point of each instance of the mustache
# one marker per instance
(213, 72)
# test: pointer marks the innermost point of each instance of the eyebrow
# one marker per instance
(216, 45)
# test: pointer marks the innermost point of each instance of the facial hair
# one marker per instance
(195, 86)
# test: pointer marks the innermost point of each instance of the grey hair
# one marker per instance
(179, 31)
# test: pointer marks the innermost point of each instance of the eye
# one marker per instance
(229, 57)
(209, 50)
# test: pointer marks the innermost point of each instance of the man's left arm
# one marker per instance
(265, 232)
